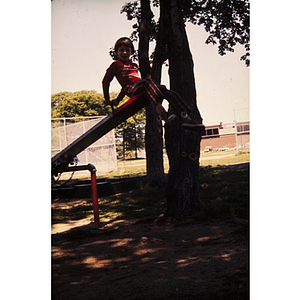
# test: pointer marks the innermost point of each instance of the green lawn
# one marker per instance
(137, 167)
(220, 158)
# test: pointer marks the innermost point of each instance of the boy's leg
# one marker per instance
(163, 114)
(155, 94)
(182, 109)
(163, 89)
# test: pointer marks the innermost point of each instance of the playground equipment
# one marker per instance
(61, 161)
(102, 153)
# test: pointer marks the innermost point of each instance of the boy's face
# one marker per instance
(124, 53)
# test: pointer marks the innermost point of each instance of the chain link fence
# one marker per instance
(102, 153)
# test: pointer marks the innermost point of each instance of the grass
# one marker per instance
(136, 167)
(225, 192)
(219, 158)
(146, 202)
(84, 210)
(131, 167)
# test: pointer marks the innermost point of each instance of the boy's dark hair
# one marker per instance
(124, 41)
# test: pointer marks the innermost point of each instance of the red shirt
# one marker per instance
(125, 72)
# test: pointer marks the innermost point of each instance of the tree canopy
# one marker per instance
(77, 104)
(226, 21)
(90, 103)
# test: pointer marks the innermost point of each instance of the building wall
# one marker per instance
(225, 140)
(218, 142)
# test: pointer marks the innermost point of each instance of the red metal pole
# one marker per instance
(95, 198)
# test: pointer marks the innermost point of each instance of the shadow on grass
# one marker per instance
(145, 202)
(224, 191)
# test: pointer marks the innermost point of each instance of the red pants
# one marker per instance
(156, 93)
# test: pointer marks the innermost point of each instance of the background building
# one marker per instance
(224, 136)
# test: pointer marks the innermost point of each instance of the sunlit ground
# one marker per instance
(210, 158)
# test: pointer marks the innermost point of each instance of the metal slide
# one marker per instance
(60, 162)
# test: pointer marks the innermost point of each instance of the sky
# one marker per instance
(82, 31)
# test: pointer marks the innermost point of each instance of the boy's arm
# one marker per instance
(108, 77)
(121, 95)
(105, 89)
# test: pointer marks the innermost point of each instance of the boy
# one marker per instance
(127, 75)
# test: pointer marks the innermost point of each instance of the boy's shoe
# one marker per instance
(193, 127)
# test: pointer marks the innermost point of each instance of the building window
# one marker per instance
(208, 131)
(213, 131)
(241, 128)
(246, 128)
(216, 131)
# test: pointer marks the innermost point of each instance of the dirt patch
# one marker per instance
(135, 260)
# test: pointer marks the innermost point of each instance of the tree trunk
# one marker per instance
(183, 146)
(153, 139)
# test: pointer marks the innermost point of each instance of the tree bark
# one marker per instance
(183, 146)
(153, 139)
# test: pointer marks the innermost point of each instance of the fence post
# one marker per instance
(236, 137)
